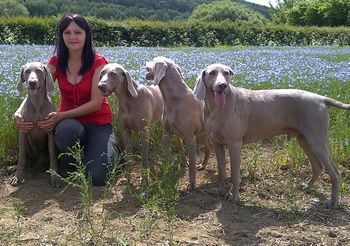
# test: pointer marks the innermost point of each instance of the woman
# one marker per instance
(84, 114)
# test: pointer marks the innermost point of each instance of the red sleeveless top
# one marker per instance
(73, 96)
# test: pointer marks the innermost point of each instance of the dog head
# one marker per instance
(37, 78)
(112, 77)
(214, 78)
(157, 68)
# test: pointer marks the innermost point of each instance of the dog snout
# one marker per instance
(149, 74)
(32, 83)
(102, 86)
(221, 86)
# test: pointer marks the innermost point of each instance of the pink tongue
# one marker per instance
(219, 98)
(32, 91)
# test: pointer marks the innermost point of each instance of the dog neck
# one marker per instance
(172, 86)
(124, 95)
(39, 99)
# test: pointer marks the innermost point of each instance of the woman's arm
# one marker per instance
(93, 105)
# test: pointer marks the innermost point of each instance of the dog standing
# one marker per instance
(138, 105)
(183, 112)
(35, 107)
(236, 116)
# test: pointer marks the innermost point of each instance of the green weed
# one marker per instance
(92, 226)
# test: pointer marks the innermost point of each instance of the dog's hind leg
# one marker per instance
(317, 167)
(191, 149)
(207, 151)
(320, 149)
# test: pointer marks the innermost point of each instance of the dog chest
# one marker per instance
(37, 140)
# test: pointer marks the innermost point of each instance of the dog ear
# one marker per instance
(130, 83)
(231, 71)
(21, 80)
(199, 89)
(50, 86)
(178, 70)
(159, 72)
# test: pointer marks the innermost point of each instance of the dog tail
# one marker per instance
(337, 104)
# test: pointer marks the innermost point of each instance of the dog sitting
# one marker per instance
(36, 106)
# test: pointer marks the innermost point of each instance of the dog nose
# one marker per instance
(101, 87)
(31, 83)
(222, 86)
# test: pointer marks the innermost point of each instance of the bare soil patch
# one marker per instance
(273, 211)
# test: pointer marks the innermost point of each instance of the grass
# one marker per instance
(272, 170)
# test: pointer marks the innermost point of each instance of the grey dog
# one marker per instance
(236, 116)
(36, 106)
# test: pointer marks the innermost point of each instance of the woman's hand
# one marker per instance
(23, 126)
(51, 120)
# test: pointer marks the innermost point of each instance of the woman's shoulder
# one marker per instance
(53, 60)
(100, 58)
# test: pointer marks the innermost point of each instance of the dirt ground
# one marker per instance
(272, 211)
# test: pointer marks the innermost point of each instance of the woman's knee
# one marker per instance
(67, 132)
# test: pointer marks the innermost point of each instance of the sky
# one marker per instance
(264, 2)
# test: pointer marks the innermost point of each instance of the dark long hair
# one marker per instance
(88, 55)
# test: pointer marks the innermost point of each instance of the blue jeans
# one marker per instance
(100, 151)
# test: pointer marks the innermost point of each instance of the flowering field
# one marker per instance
(274, 210)
(324, 70)
(253, 65)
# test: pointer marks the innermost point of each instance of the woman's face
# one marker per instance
(74, 37)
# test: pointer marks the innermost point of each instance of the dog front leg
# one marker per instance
(191, 148)
(55, 182)
(235, 159)
(220, 157)
(166, 141)
(127, 144)
(145, 145)
(22, 159)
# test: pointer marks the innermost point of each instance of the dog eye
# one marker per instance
(226, 73)
(212, 73)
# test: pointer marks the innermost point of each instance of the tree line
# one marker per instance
(164, 10)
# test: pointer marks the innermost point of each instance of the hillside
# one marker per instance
(123, 9)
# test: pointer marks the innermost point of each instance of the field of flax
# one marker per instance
(323, 70)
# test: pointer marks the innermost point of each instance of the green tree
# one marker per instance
(12, 8)
(226, 10)
(40, 8)
(313, 12)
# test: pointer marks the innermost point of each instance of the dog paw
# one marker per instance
(331, 204)
(232, 197)
(15, 181)
(190, 187)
